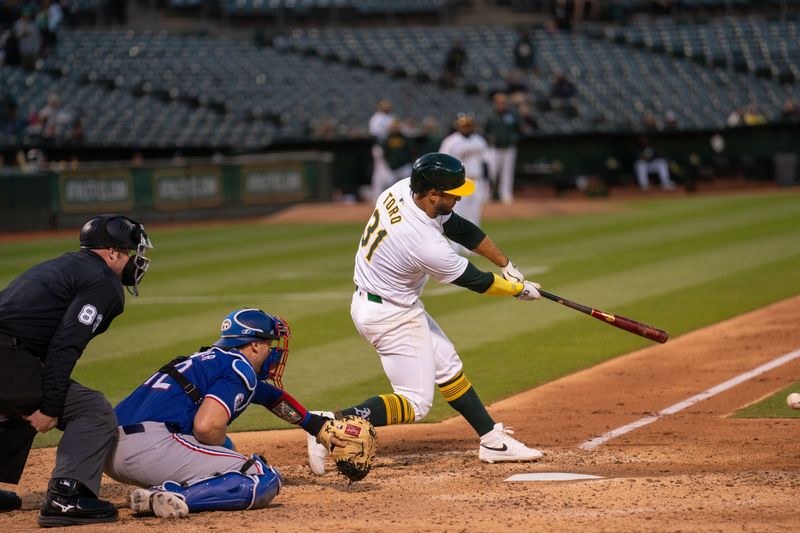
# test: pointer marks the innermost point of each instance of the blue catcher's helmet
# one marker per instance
(248, 324)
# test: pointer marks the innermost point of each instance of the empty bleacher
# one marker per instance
(158, 89)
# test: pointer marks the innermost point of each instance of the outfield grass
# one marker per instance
(773, 406)
(679, 264)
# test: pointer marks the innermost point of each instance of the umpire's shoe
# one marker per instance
(70, 503)
(9, 501)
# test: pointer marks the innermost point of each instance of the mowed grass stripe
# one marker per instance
(672, 238)
(520, 362)
(654, 215)
(278, 243)
(610, 261)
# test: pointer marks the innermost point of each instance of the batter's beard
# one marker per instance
(442, 210)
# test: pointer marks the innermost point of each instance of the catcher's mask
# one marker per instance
(117, 231)
(248, 324)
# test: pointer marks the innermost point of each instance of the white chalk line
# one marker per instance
(295, 296)
(713, 391)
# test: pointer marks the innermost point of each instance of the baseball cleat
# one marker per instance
(499, 446)
(140, 501)
(317, 454)
(69, 503)
(169, 505)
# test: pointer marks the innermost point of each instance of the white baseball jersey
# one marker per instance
(379, 124)
(401, 247)
(471, 151)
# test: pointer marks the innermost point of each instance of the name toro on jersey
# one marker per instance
(402, 246)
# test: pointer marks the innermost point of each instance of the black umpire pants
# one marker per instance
(88, 422)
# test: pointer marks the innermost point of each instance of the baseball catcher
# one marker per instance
(172, 439)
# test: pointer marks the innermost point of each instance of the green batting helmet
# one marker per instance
(441, 172)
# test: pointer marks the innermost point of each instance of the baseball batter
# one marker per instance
(470, 148)
(404, 243)
(172, 438)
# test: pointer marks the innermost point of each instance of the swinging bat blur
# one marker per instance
(621, 322)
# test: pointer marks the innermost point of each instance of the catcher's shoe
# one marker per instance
(317, 454)
(499, 446)
(169, 505)
(140, 501)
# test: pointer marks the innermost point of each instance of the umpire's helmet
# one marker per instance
(249, 324)
(441, 172)
(112, 231)
(117, 231)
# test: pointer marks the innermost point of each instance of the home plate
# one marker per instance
(550, 476)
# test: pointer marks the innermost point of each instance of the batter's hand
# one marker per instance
(529, 291)
(41, 422)
(511, 273)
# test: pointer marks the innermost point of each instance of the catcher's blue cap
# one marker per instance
(248, 324)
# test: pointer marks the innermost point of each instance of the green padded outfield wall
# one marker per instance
(245, 186)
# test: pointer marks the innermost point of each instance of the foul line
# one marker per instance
(766, 367)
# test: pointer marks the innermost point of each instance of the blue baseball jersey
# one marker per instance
(224, 376)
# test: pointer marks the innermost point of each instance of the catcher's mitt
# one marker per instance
(359, 439)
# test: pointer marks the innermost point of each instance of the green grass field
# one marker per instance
(679, 264)
(773, 406)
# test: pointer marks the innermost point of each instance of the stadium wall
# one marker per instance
(192, 190)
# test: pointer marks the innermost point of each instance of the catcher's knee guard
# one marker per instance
(232, 491)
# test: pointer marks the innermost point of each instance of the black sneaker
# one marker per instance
(69, 503)
(9, 501)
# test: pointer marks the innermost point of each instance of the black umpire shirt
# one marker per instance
(54, 309)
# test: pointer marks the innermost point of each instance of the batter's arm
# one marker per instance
(487, 283)
(462, 231)
(488, 249)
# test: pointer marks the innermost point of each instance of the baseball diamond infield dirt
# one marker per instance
(696, 470)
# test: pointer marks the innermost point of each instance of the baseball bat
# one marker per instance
(618, 321)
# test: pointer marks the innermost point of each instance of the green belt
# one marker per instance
(372, 297)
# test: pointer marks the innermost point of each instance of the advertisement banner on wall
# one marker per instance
(182, 187)
(273, 183)
(92, 191)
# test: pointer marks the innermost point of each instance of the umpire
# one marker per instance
(47, 317)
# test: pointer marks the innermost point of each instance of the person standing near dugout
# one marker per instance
(48, 315)
(469, 147)
(502, 131)
(404, 243)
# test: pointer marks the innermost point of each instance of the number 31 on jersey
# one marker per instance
(372, 236)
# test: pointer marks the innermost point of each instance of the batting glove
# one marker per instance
(529, 291)
(512, 273)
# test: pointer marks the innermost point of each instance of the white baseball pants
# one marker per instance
(501, 162)
(414, 351)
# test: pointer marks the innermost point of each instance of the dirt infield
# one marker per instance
(691, 471)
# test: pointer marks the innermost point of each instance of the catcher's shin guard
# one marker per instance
(232, 491)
